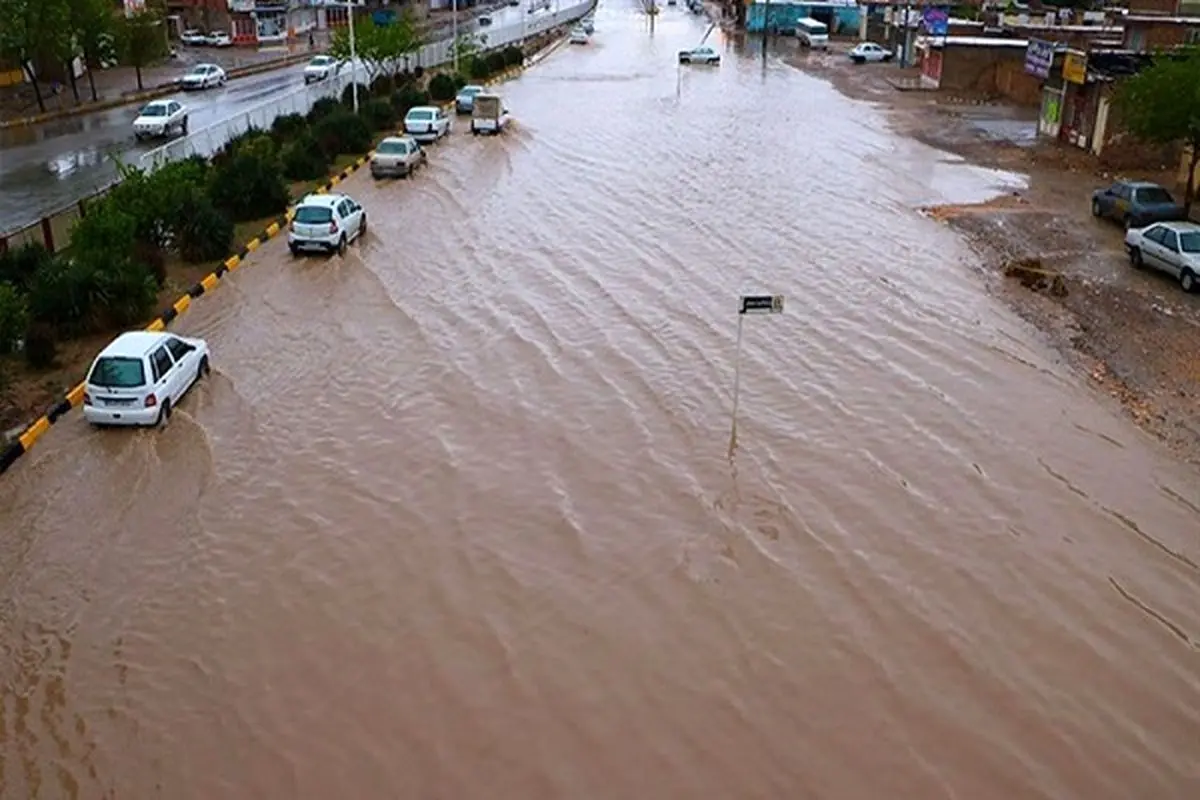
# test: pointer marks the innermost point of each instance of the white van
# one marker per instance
(812, 33)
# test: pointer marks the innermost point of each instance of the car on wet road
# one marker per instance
(140, 376)
(579, 35)
(320, 68)
(326, 223)
(865, 52)
(588, 24)
(465, 100)
(490, 114)
(397, 156)
(194, 37)
(426, 123)
(219, 39)
(699, 55)
(1136, 204)
(1170, 247)
(161, 118)
(203, 76)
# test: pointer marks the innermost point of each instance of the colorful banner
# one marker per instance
(936, 20)
(1075, 68)
(1039, 58)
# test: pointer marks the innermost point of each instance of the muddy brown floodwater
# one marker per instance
(454, 515)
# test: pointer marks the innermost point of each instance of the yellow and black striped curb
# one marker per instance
(74, 398)
(148, 94)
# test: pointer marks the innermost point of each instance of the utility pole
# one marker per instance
(904, 37)
(353, 57)
(454, 33)
(766, 16)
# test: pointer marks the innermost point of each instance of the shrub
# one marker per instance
(496, 63)
(442, 88)
(206, 234)
(62, 296)
(344, 132)
(379, 115)
(123, 292)
(250, 186)
(364, 94)
(41, 351)
(303, 159)
(408, 97)
(14, 318)
(323, 108)
(18, 265)
(382, 86)
(418, 73)
(479, 69)
(288, 127)
(155, 201)
(153, 258)
(234, 145)
(513, 56)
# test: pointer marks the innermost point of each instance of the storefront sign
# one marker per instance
(1075, 68)
(936, 20)
(1039, 57)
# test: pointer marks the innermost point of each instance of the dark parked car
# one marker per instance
(1136, 204)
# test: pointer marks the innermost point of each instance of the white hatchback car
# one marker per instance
(320, 68)
(869, 52)
(699, 55)
(160, 118)
(426, 123)
(141, 376)
(326, 222)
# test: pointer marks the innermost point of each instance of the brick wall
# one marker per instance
(1147, 36)
(1167, 7)
(975, 69)
(1014, 83)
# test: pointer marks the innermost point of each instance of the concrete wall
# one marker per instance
(1014, 83)
(975, 69)
(1146, 36)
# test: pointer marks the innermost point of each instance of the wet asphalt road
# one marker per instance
(50, 166)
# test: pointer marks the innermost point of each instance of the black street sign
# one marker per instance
(761, 304)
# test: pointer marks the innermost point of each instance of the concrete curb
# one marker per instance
(148, 94)
(25, 441)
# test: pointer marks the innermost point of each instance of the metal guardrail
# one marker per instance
(54, 230)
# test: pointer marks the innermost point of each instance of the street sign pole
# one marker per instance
(747, 304)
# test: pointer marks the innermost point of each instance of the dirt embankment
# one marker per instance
(1135, 334)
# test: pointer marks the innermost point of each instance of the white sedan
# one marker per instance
(579, 35)
(194, 37)
(160, 118)
(219, 39)
(203, 76)
(141, 376)
(320, 68)
(869, 51)
(426, 123)
(699, 55)
(1171, 247)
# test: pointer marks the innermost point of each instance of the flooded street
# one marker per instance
(454, 515)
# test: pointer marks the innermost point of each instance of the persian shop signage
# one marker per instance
(1075, 68)
(1039, 57)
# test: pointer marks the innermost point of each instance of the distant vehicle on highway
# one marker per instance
(320, 68)
(193, 36)
(426, 123)
(869, 51)
(219, 39)
(1136, 204)
(160, 118)
(588, 24)
(1171, 247)
(141, 376)
(203, 76)
(699, 55)
(397, 156)
(465, 100)
(490, 114)
(579, 35)
(484, 21)
(326, 222)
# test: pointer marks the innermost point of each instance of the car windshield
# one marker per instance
(393, 148)
(321, 61)
(199, 71)
(313, 215)
(154, 111)
(420, 115)
(470, 91)
(1154, 194)
(1190, 242)
(117, 372)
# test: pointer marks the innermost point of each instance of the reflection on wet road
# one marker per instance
(453, 517)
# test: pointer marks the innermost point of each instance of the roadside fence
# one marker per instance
(54, 230)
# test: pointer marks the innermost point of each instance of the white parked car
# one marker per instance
(579, 35)
(203, 76)
(320, 68)
(869, 51)
(219, 39)
(426, 123)
(699, 55)
(141, 376)
(194, 37)
(398, 156)
(1172, 247)
(326, 222)
(159, 118)
(465, 101)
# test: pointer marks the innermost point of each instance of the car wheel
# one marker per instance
(1095, 208)
(341, 248)
(204, 369)
(164, 414)
(183, 126)
(1135, 257)
(888, 57)
(295, 250)
(1187, 280)
(362, 227)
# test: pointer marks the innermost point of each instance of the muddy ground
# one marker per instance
(1136, 335)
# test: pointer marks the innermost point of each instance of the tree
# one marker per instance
(32, 29)
(1161, 104)
(93, 24)
(142, 40)
(463, 49)
(381, 48)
